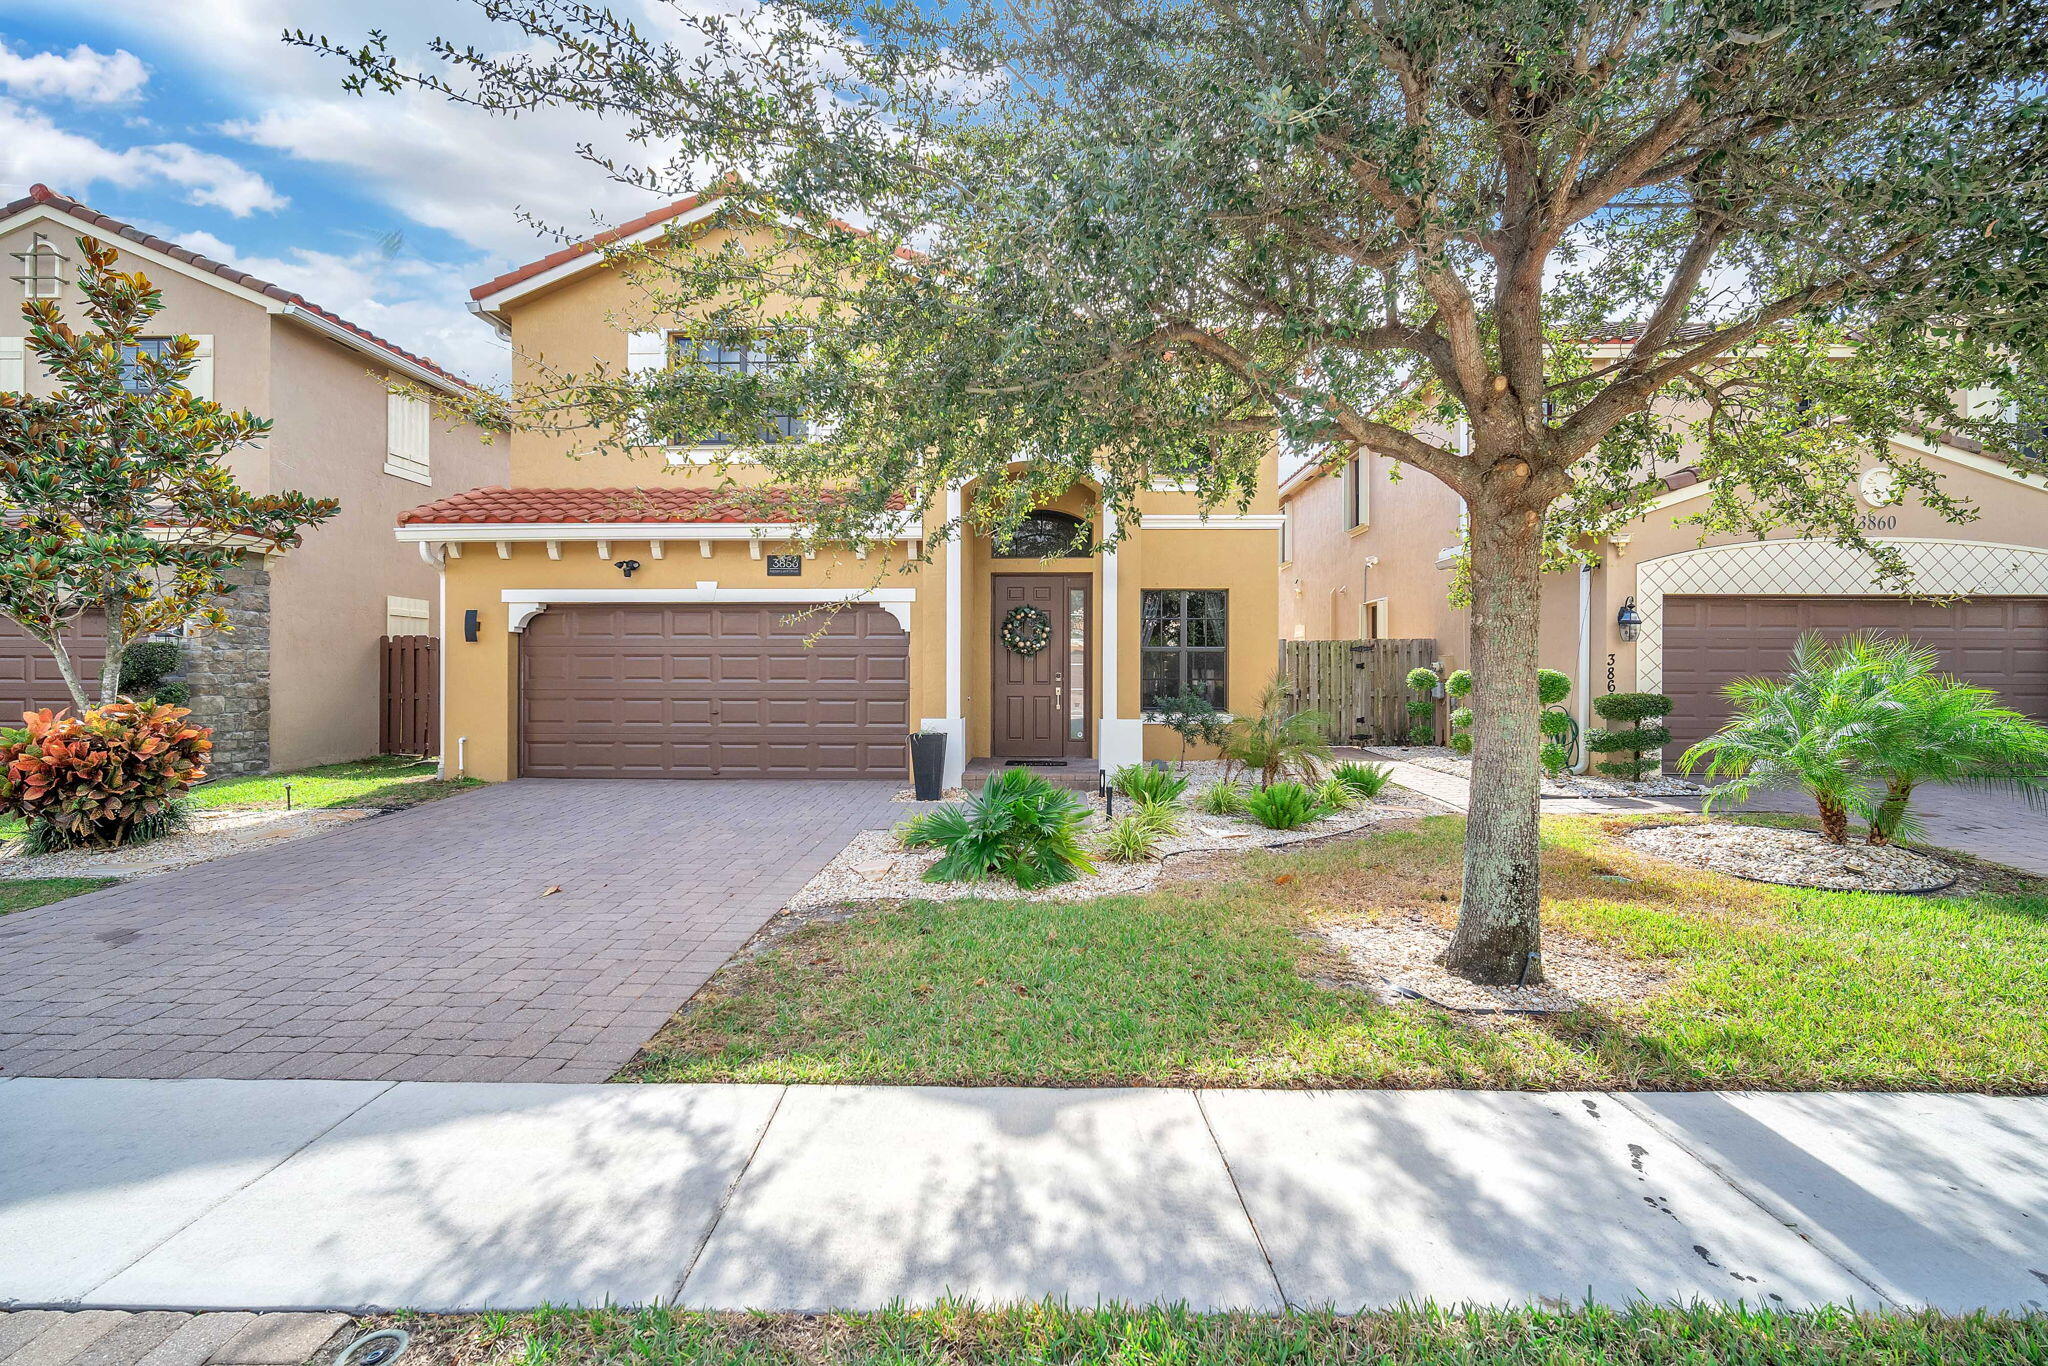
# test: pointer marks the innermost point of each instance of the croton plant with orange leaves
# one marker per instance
(89, 780)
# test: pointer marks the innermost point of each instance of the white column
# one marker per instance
(954, 722)
(1118, 740)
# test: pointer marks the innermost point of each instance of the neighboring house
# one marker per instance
(696, 664)
(296, 681)
(1369, 557)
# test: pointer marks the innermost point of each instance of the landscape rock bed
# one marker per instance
(1792, 858)
(1385, 955)
(1448, 761)
(210, 835)
(875, 868)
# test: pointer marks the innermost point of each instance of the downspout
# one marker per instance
(1585, 666)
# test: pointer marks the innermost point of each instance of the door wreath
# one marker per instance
(1026, 630)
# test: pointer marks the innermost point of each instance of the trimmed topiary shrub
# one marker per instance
(1422, 709)
(1634, 744)
(97, 781)
(1552, 687)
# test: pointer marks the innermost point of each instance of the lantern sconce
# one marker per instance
(1629, 620)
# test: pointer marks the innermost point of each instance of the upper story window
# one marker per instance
(751, 359)
(1357, 492)
(42, 269)
(407, 429)
(156, 348)
(1043, 535)
(1287, 535)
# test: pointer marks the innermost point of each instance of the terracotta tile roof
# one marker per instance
(501, 506)
(43, 194)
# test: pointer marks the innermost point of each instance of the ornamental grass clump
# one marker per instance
(1366, 780)
(101, 780)
(1142, 783)
(1136, 835)
(1222, 799)
(1019, 826)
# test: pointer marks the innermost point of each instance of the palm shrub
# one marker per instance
(1019, 826)
(1422, 709)
(109, 777)
(1278, 742)
(1222, 799)
(1285, 805)
(1145, 784)
(1634, 743)
(1928, 727)
(1809, 731)
(1366, 780)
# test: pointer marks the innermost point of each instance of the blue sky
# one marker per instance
(196, 122)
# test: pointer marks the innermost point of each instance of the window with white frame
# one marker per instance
(13, 365)
(1357, 491)
(728, 358)
(406, 444)
(406, 617)
(1287, 535)
(42, 269)
(1372, 620)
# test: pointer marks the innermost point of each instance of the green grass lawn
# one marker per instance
(1210, 982)
(388, 781)
(29, 893)
(1044, 1334)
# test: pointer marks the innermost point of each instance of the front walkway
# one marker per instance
(354, 1195)
(536, 930)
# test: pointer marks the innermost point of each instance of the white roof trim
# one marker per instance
(305, 317)
(522, 605)
(583, 261)
(131, 247)
(622, 531)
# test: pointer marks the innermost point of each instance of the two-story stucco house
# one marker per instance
(296, 681)
(1368, 557)
(696, 662)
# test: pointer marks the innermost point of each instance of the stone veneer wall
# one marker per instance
(229, 674)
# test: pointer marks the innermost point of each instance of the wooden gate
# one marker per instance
(411, 711)
(1360, 685)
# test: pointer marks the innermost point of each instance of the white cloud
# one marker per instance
(33, 148)
(81, 75)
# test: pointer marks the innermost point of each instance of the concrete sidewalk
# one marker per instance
(360, 1195)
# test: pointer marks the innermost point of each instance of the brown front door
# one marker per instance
(1041, 700)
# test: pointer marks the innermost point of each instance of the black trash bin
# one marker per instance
(928, 764)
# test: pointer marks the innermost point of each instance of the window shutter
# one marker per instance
(200, 382)
(13, 365)
(407, 455)
(646, 351)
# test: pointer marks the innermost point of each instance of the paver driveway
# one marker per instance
(424, 945)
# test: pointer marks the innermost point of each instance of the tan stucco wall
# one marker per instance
(1415, 518)
(328, 596)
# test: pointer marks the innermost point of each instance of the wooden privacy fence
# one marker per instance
(1360, 685)
(412, 696)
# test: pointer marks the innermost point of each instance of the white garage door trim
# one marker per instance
(524, 604)
(1798, 568)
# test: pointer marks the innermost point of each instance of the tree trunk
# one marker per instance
(117, 646)
(1834, 820)
(1889, 812)
(1499, 927)
(69, 672)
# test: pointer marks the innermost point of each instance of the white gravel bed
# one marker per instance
(1792, 858)
(1398, 955)
(210, 835)
(875, 868)
(1570, 785)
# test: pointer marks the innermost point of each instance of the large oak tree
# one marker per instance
(1139, 238)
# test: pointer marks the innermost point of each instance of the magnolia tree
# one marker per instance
(114, 496)
(1116, 241)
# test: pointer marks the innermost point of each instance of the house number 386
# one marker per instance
(1610, 673)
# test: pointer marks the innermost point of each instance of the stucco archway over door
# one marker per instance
(1722, 611)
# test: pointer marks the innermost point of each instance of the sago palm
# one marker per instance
(1279, 742)
(1807, 732)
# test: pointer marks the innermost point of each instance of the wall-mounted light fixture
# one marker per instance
(626, 567)
(1629, 620)
(470, 625)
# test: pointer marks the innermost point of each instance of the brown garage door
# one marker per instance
(1999, 643)
(29, 679)
(690, 691)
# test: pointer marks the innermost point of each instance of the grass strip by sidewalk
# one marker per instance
(1214, 983)
(960, 1335)
(28, 893)
(388, 781)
